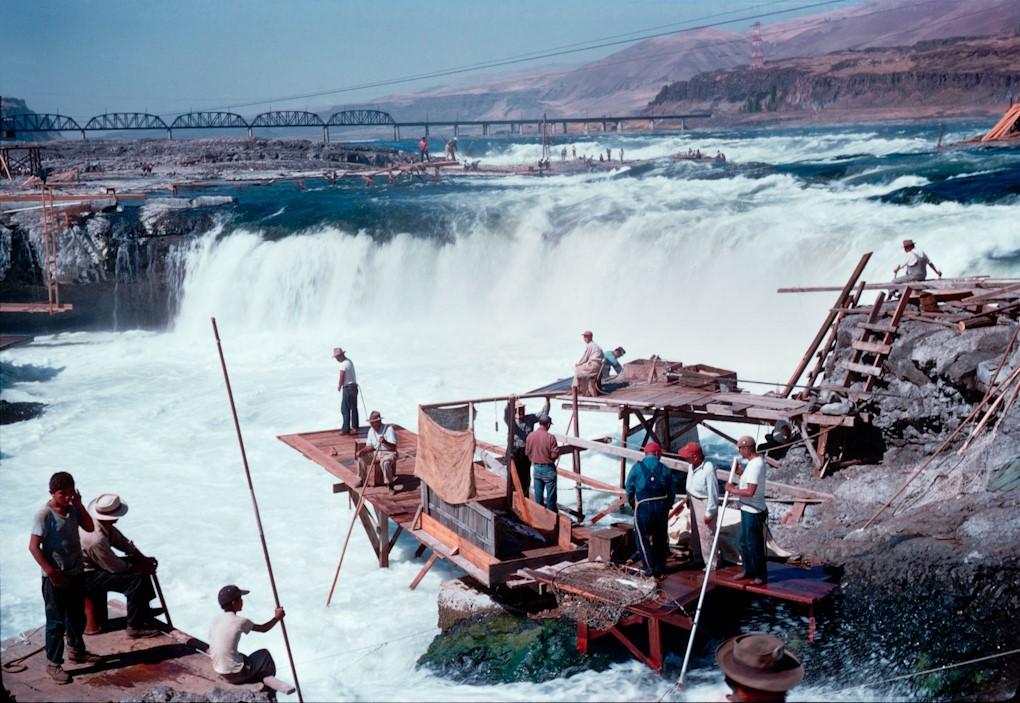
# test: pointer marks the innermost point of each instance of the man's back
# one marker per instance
(224, 636)
(541, 447)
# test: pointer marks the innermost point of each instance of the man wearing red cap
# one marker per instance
(702, 499)
(651, 493)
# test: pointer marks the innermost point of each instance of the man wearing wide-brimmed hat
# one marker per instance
(347, 385)
(380, 450)
(106, 571)
(758, 667)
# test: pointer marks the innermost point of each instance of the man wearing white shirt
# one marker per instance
(753, 512)
(702, 499)
(381, 449)
(915, 265)
(347, 384)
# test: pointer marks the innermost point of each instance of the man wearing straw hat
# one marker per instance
(347, 385)
(758, 667)
(106, 571)
(380, 448)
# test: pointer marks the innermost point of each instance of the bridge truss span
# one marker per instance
(39, 122)
(125, 120)
(360, 118)
(287, 118)
(209, 120)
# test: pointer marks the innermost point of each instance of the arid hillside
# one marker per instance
(939, 78)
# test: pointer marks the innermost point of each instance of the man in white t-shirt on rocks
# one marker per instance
(232, 666)
(753, 512)
(915, 265)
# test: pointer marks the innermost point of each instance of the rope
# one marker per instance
(904, 677)
(14, 666)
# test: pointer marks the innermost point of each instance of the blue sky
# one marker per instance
(83, 57)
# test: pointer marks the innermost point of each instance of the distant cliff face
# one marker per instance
(949, 77)
(17, 106)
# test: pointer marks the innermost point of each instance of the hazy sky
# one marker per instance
(84, 57)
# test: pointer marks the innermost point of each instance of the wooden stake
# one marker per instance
(255, 504)
(350, 528)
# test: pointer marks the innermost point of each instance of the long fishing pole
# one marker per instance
(708, 572)
(255, 505)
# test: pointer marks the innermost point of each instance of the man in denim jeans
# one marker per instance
(543, 451)
(55, 546)
(753, 512)
(347, 384)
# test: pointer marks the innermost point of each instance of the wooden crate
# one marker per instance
(472, 520)
(612, 544)
(703, 376)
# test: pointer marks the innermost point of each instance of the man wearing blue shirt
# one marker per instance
(612, 361)
(651, 493)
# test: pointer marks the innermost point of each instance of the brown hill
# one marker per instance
(960, 77)
(626, 80)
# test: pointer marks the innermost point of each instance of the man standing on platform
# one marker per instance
(588, 367)
(105, 571)
(523, 426)
(347, 385)
(55, 546)
(381, 449)
(702, 499)
(753, 512)
(651, 493)
(916, 265)
(543, 452)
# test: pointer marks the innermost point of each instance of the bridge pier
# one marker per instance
(485, 129)
(250, 135)
(396, 133)
(325, 135)
(564, 127)
(169, 134)
(619, 125)
(683, 125)
(605, 126)
(651, 125)
(426, 130)
(456, 129)
(83, 135)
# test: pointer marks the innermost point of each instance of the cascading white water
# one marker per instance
(680, 267)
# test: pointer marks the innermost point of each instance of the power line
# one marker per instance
(523, 59)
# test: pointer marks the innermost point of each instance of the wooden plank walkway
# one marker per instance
(127, 670)
(35, 307)
(12, 340)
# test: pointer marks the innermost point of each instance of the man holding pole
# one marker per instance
(232, 666)
(380, 449)
(651, 493)
(753, 512)
(106, 571)
(347, 384)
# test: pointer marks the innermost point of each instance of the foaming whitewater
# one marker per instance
(440, 291)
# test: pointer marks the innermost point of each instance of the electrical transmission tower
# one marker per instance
(757, 55)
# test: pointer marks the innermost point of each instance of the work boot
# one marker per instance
(57, 673)
(137, 633)
(83, 657)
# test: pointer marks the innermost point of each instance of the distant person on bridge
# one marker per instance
(423, 148)
(588, 367)
(347, 385)
(916, 265)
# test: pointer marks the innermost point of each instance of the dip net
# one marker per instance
(598, 593)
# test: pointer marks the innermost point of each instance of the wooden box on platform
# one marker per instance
(612, 544)
(703, 376)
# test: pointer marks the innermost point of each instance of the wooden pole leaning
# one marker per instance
(255, 505)
(708, 572)
(350, 529)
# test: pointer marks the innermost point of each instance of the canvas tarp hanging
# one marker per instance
(445, 456)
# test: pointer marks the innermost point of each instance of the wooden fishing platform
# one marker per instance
(470, 536)
(36, 307)
(673, 603)
(128, 668)
(13, 340)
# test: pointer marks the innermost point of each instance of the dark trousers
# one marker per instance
(523, 464)
(752, 544)
(349, 407)
(545, 485)
(653, 535)
(65, 615)
(257, 666)
(137, 588)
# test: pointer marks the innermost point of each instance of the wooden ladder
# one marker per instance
(50, 228)
(874, 345)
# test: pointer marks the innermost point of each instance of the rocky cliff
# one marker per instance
(959, 77)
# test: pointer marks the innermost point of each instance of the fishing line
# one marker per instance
(937, 669)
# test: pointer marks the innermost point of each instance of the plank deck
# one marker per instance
(12, 340)
(127, 670)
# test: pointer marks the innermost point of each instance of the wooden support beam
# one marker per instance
(383, 520)
(370, 529)
(591, 482)
(393, 539)
(624, 434)
(649, 426)
(633, 454)
(865, 369)
(611, 508)
(810, 447)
